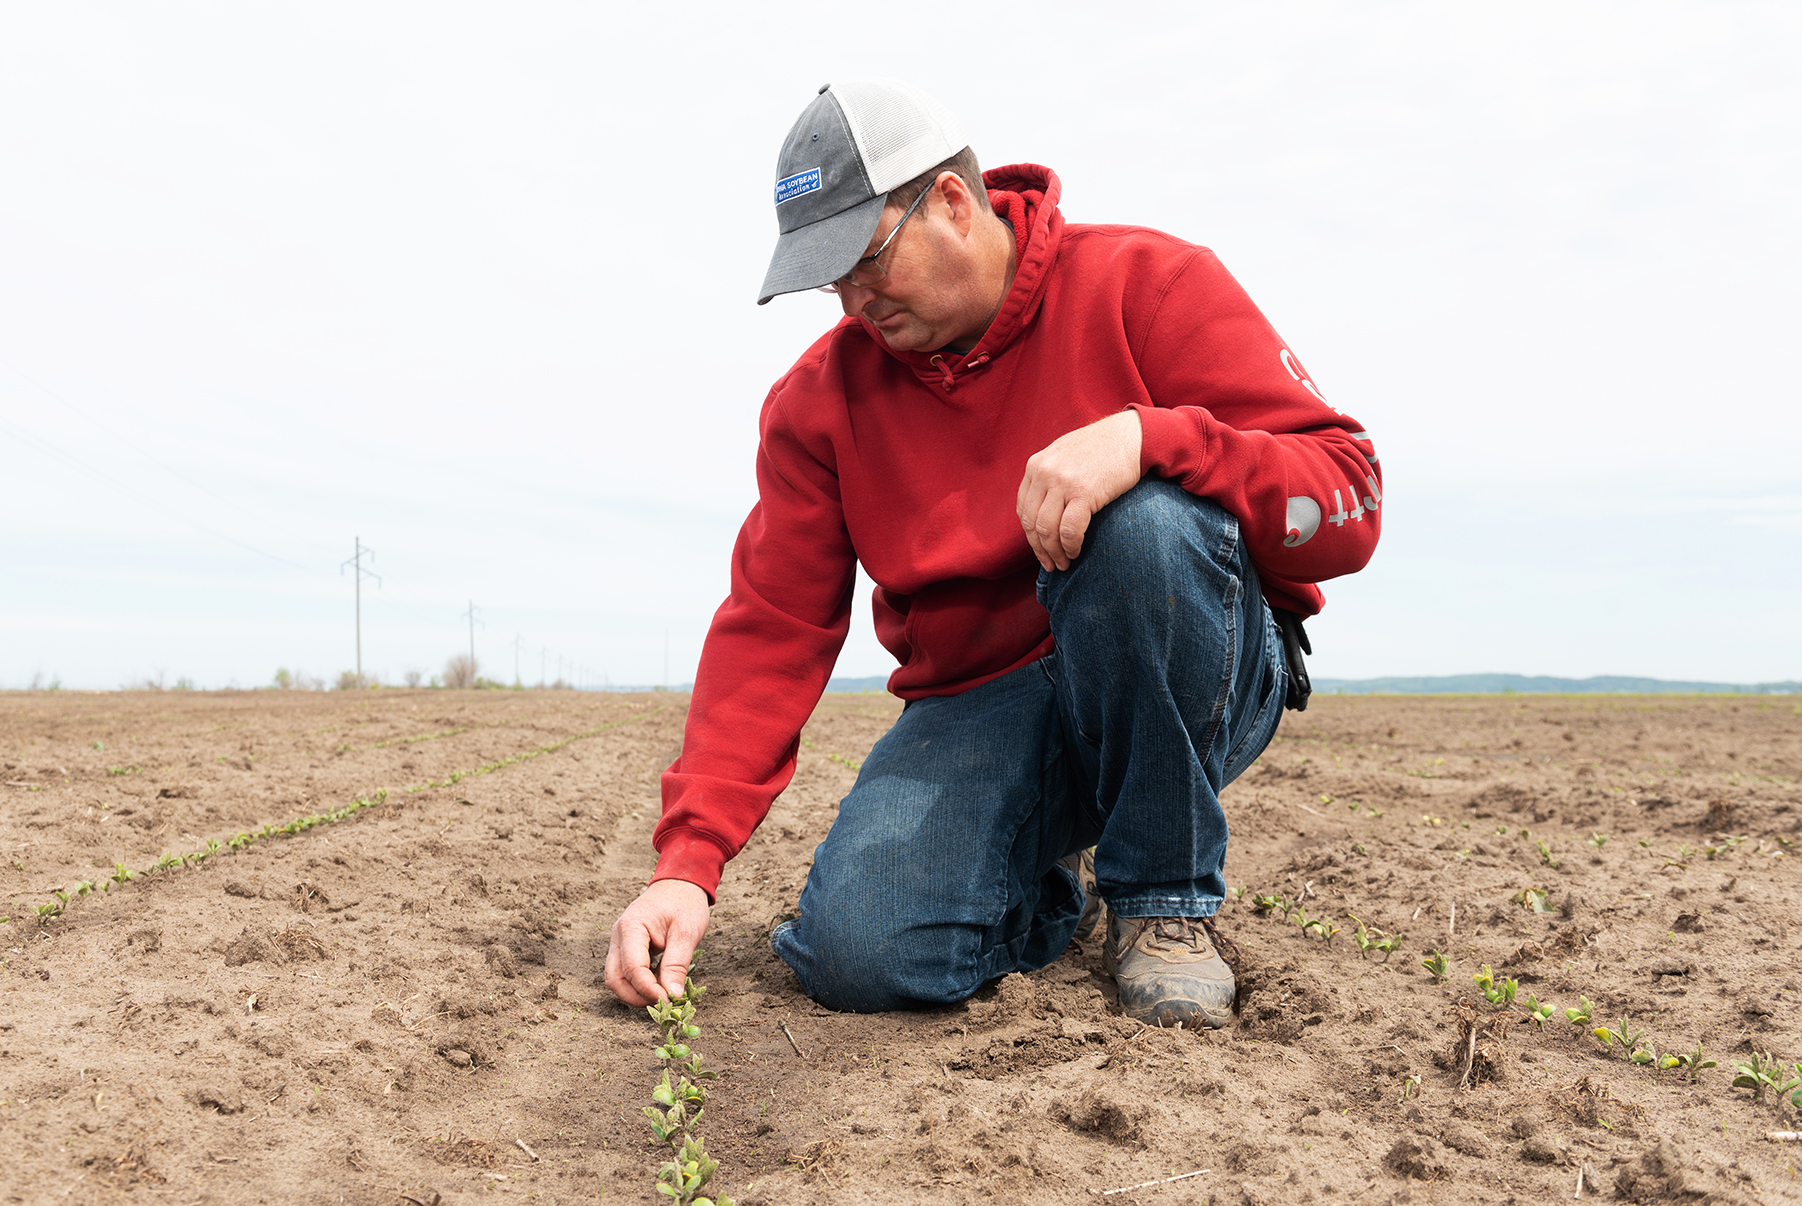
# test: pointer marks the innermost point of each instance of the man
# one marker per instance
(1077, 462)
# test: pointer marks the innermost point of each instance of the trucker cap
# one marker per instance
(854, 142)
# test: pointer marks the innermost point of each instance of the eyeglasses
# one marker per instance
(868, 270)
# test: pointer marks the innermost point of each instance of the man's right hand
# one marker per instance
(671, 916)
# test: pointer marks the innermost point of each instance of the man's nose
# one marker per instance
(853, 298)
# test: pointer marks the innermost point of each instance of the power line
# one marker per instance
(470, 615)
(136, 447)
(33, 440)
(357, 562)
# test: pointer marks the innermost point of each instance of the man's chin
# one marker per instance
(904, 336)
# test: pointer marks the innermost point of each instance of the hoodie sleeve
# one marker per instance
(1235, 418)
(766, 660)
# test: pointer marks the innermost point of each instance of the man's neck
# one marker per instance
(1001, 250)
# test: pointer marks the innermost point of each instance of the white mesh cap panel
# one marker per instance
(900, 131)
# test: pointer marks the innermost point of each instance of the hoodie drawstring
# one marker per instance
(945, 368)
(950, 380)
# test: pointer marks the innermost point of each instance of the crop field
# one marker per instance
(345, 947)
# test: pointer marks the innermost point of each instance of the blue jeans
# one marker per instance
(941, 873)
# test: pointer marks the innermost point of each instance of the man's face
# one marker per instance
(934, 294)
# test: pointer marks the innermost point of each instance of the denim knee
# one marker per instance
(877, 962)
(1155, 530)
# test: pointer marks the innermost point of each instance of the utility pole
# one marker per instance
(356, 563)
(470, 615)
(517, 642)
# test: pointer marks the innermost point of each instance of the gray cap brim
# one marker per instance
(823, 251)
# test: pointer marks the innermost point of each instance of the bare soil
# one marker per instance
(405, 1004)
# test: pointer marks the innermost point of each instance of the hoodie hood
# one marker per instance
(1026, 195)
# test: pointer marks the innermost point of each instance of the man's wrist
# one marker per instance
(694, 859)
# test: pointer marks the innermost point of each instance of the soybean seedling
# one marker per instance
(1581, 1014)
(1436, 964)
(1537, 899)
(1270, 904)
(1598, 840)
(1791, 1083)
(1693, 1063)
(1369, 939)
(1761, 1072)
(1410, 1088)
(1537, 1012)
(1545, 855)
(1622, 1034)
(681, 1102)
(1500, 995)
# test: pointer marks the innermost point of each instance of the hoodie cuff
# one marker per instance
(1172, 441)
(693, 858)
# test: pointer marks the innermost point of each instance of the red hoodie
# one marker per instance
(909, 463)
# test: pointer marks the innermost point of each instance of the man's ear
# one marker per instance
(960, 206)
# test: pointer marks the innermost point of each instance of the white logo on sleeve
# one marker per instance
(1303, 519)
(1298, 373)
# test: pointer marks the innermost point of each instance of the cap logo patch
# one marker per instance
(798, 185)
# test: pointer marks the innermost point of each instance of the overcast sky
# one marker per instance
(476, 285)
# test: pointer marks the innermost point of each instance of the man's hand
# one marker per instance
(670, 915)
(1066, 483)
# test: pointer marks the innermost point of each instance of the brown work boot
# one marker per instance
(1082, 865)
(1168, 971)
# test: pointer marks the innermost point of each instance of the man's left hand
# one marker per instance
(1066, 483)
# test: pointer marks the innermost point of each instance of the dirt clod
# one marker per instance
(1105, 1111)
(253, 947)
(1419, 1157)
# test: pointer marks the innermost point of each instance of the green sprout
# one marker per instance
(1369, 939)
(1580, 1016)
(681, 1102)
(1598, 840)
(1693, 1063)
(1545, 855)
(1270, 904)
(1537, 899)
(1537, 1012)
(1623, 1035)
(1410, 1088)
(1762, 1072)
(1326, 929)
(1500, 995)
(1436, 964)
